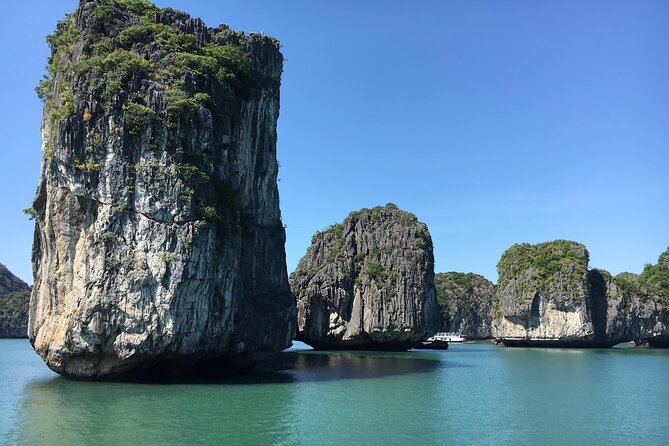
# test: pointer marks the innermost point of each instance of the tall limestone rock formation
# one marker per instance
(158, 239)
(368, 283)
(544, 298)
(465, 300)
(14, 299)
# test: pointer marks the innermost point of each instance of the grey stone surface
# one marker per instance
(547, 296)
(466, 301)
(638, 305)
(543, 296)
(368, 282)
(164, 246)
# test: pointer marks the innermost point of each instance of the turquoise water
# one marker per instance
(470, 394)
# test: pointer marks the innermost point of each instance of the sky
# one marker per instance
(496, 122)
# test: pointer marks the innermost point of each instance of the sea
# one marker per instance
(471, 394)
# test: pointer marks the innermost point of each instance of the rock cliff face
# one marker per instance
(653, 311)
(547, 296)
(14, 299)
(158, 238)
(465, 300)
(638, 305)
(544, 297)
(368, 283)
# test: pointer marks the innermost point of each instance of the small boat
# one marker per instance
(447, 337)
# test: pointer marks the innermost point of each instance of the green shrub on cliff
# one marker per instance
(117, 58)
(656, 278)
(179, 105)
(103, 12)
(140, 7)
(629, 284)
(62, 42)
(545, 260)
(62, 107)
(376, 272)
(148, 31)
(137, 117)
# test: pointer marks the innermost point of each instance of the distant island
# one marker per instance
(465, 301)
(14, 300)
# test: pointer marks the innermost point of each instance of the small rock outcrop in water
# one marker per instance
(368, 283)
(543, 297)
(465, 300)
(158, 239)
(14, 300)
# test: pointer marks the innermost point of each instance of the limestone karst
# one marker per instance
(548, 296)
(543, 296)
(465, 300)
(368, 283)
(14, 300)
(158, 241)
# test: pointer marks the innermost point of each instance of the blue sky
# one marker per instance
(495, 122)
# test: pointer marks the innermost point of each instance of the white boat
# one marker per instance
(447, 337)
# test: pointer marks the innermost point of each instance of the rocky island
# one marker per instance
(547, 296)
(543, 297)
(14, 300)
(368, 283)
(158, 244)
(465, 301)
(637, 305)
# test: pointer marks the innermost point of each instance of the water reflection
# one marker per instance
(263, 407)
(326, 366)
(58, 411)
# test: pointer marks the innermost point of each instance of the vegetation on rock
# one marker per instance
(547, 294)
(465, 301)
(544, 262)
(373, 275)
(159, 168)
(656, 279)
(131, 59)
(14, 300)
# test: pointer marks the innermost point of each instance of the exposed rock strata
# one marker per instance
(158, 238)
(368, 283)
(465, 300)
(14, 299)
